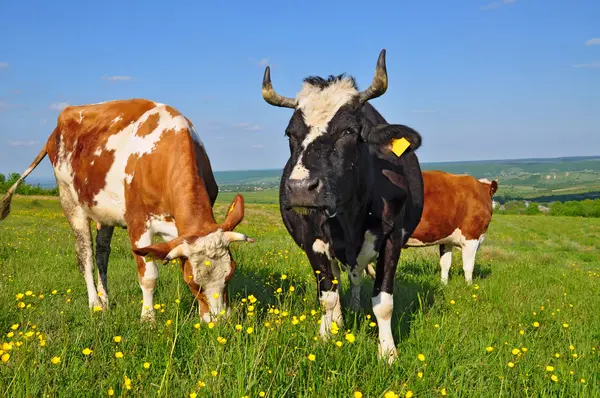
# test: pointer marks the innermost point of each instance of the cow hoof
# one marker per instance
(355, 305)
(147, 317)
(388, 355)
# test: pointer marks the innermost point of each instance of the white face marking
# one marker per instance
(321, 247)
(383, 305)
(128, 178)
(110, 208)
(80, 116)
(118, 118)
(318, 107)
(98, 152)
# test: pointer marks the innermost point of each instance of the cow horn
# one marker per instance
(271, 96)
(380, 81)
(237, 237)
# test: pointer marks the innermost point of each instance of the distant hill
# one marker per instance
(543, 179)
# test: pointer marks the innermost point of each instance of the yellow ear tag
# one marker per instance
(399, 145)
(231, 207)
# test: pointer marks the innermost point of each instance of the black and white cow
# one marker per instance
(344, 194)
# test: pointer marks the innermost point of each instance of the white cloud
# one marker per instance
(247, 126)
(23, 143)
(497, 4)
(423, 111)
(117, 78)
(58, 106)
(263, 62)
(3, 65)
(590, 65)
(258, 146)
(593, 42)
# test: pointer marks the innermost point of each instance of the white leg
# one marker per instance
(383, 305)
(333, 312)
(445, 261)
(147, 276)
(80, 225)
(469, 250)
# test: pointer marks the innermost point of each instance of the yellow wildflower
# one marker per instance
(238, 327)
(214, 373)
(146, 365)
(350, 337)
(117, 339)
(554, 378)
(211, 325)
(421, 357)
(511, 365)
(489, 349)
(55, 360)
(250, 330)
(357, 394)
(111, 392)
(86, 351)
(118, 355)
(549, 368)
(311, 357)
(5, 357)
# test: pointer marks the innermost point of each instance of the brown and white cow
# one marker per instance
(141, 165)
(456, 213)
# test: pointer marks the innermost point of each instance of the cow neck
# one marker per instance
(191, 206)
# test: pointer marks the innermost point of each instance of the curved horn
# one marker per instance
(237, 237)
(271, 96)
(380, 81)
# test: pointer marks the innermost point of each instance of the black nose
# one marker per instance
(304, 192)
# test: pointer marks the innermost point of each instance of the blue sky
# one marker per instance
(479, 79)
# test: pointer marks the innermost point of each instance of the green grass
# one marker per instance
(530, 269)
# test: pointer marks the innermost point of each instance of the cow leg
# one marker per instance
(383, 297)
(445, 261)
(326, 269)
(367, 253)
(103, 239)
(147, 272)
(80, 224)
(469, 250)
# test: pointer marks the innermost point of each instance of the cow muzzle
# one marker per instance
(307, 192)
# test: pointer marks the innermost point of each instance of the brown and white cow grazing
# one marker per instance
(456, 213)
(141, 165)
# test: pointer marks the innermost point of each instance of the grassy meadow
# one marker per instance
(529, 325)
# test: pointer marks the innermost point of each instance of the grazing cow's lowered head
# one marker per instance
(327, 134)
(207, 261)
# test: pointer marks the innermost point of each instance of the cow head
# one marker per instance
(207, 260)
(327, 134)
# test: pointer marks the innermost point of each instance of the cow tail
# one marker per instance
(5, 203)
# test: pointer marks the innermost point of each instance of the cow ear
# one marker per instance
(235, 214)
(395, 137)
(159, 250)
(166, 250)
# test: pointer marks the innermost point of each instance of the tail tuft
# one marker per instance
(5, 205)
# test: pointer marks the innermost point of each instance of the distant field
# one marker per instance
(534, 303)
(542, 180)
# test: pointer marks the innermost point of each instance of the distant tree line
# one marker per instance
(575, 208)
(24, 189)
